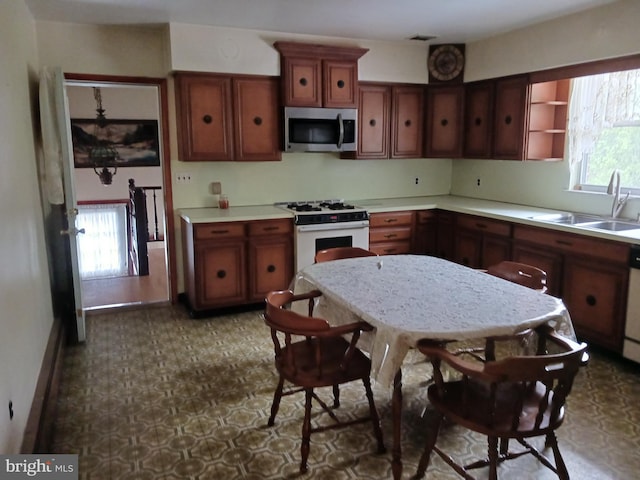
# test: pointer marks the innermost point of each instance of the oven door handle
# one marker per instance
(332, 226)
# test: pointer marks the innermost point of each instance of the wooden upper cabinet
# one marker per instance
(319, 75)
(548, 120)
(257, 127)
(374, 120)
(444, 119)
(407, 121)
(510, 119)
(225, 118)
(204, 117)
(478, 119)
(302, 81)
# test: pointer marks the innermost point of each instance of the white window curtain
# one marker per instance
(103, 246)
(598, 102)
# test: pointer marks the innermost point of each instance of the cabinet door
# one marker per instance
(270, 265)
(510, 118)
(373, 121)
(545, 259)
(425, 234)
(406, 121)
(444, 121)
(257, 127)
(468, 248)
(302, 82)
(445, 236)
(340, 84)
(220, 277)
(478, 119)
(594, 294)
(204, 117)
(495, 249)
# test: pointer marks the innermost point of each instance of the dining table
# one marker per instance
(411, 297)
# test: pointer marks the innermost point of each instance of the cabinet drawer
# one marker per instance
(391, 248)
(389, 234)
(573, 244)
(425, 216)
(390, 219)
(208, 231)
(270, 227)
(486, 225)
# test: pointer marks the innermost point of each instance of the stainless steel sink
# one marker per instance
(586, 220)
(611, 225)
(567, 218)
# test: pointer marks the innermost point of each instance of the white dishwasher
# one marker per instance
(631, 348)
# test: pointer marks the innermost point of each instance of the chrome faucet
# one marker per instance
(614, 189)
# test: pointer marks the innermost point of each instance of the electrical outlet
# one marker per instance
(183, 177)
(216, 188)
(478, 181)
(417, 180)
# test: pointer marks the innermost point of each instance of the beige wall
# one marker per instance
(27, 315)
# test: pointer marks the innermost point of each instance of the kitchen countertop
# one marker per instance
(498, 210)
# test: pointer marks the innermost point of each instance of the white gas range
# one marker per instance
(321, 224)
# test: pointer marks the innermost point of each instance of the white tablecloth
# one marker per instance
(409, 297)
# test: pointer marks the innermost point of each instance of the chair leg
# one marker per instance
(277, 396)
(552, 441)
(373, 413)
(306, 430)
(336, 396)
(493, 458)
(504, 446)
(432, 435)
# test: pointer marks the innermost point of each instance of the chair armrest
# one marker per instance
(305, 296)
(437, 350)
(346, 329)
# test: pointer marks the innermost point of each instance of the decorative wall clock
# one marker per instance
(446, 63)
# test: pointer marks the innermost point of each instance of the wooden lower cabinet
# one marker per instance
(391, 233)
(481, 242)
(235, 263)
(589, 274)
(425, 234)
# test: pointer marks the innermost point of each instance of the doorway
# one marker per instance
(137, 252)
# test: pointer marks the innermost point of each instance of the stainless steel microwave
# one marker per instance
(320, 129)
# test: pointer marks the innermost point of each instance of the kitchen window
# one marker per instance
(603, 130)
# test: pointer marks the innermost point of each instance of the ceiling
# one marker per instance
(456, 21)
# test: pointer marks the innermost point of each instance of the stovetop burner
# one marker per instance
(324, 211)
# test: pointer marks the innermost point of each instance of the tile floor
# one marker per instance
(153, 394)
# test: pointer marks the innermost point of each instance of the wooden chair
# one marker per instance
(514, 398)
(320, 357)
(520, 273)
(338, 253)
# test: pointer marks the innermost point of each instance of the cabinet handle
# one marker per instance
(591, 300)
(271, 268)
(257, 121)
(390, 235)
(389, 250)
(478, 121)
(391, 220)
(481, 226)
(508, 119)
(218, 232)
(564, 242)
(444, 122)
(303, 81)
(372, 122)
(207, 119)
(221, 274)
(340, 83)
(407, 123)
(269, 229)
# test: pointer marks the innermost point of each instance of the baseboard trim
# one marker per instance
(38, 434)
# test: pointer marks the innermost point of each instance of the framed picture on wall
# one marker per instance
(134, 141)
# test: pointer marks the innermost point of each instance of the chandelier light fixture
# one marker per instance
(102, 154)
